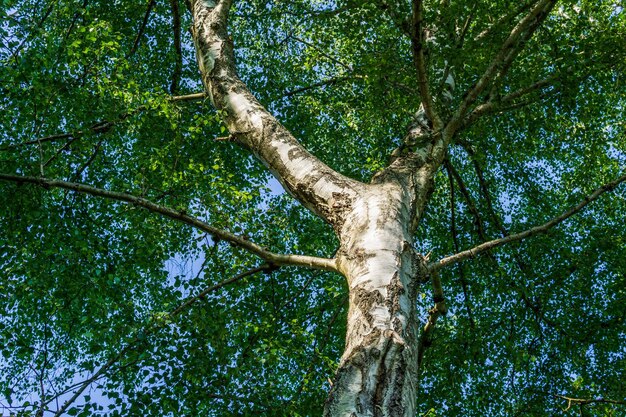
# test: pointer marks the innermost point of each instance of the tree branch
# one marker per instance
(304, 176)
(505, 18)
(401, 22)
(142, 29)
(522, 290)
(178, 66)
(89, 161)
(466, 26)
(99, 127)
(102, 126)
(507, 102)
(27, 38)
(189, 97)
(439, 309)
(470, 253)
(271, 257)
(503, 59)
(457, 248)
(417, 42)
(330, 81)
(583, 401)
(484, 188)
(480, 228)
(322, 53)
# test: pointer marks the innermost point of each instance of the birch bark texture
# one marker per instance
(375, 224)
(144, 259)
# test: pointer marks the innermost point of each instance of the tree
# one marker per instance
(459, 164)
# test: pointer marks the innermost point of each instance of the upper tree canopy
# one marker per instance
(102, 295)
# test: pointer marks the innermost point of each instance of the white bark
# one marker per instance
(378, 371)
(375, 222)
(312, 182)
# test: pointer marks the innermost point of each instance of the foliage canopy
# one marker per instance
(104, 93)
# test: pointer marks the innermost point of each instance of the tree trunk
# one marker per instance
(378, 372)
(375, 224)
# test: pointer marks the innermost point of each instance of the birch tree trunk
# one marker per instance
(377, 374)
(375, 224)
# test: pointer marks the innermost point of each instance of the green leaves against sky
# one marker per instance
(86, 96)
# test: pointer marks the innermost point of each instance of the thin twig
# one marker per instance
(142, 29)
(457, 248)
(102, 126)
(419, 60)
(27, 38)
(87, 163)
(438, 310)
(401, 22)
(323, 83)
(322, 53)
(178, 66)
(480, 228)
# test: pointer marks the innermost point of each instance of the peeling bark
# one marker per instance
(375, 223)
(377, 374)
(309, 180)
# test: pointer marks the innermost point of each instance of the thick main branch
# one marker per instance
(313, 183)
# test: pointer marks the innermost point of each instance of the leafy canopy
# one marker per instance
(89, 95)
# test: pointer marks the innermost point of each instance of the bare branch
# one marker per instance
(189, 97)
(142, 29)
(503, 59)
(271, 257)
(470, 253)
(584, 401)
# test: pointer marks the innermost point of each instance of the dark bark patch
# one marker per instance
(395, 289)
(297, 153)
(339, 205)
(388, 211)
(364, 300)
